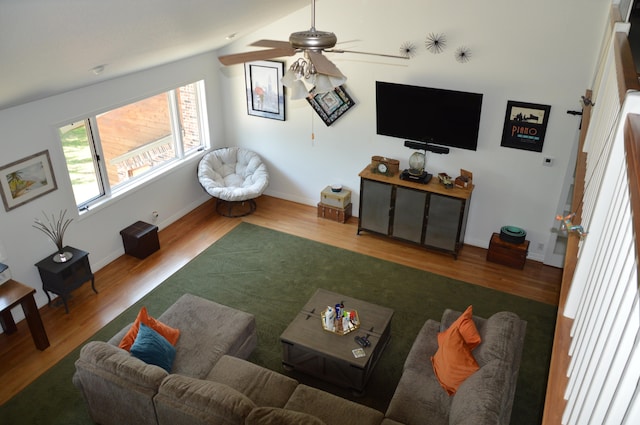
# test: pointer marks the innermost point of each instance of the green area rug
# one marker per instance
(271, 275)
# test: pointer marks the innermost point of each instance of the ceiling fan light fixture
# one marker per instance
(326, 83)
(289, 78)
(298, 90)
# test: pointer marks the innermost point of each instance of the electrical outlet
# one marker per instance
(547, 161)
(154, 216)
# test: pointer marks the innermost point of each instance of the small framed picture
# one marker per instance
(525, 125)
(265, 92)
(26, 179)
(331, 105)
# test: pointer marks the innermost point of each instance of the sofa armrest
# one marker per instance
(481, 399)
(131, 384)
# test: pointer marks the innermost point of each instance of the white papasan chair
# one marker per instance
(235, 177)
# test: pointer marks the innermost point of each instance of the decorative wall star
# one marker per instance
(436, 43)
(408, 49)
(463, 54)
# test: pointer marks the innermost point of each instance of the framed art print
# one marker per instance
(525, 125)
(265, 92)
(26, 179)
(331, 105)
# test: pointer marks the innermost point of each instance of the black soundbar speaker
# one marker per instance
(437, 149)
(425, 146)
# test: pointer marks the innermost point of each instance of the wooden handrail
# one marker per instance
(554, 401)
(625, 66)
(627, 81)
(632, 152)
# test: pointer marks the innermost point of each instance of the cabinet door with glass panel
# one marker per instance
(445, 216)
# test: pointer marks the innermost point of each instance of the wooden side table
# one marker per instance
(62, 278)
(13, 293)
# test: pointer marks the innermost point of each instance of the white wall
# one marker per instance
(32, 127)
(542, 52)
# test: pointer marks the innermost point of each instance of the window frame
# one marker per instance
(182, 158)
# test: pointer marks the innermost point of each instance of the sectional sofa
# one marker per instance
(211, 382)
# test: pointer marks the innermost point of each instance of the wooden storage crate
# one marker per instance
(340, 215)
(335, 199)
(506, 253)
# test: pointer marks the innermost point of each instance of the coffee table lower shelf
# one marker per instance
(308, 348)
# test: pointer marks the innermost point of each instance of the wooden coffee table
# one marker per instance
(308, 348)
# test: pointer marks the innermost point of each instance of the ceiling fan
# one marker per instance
(315, 68)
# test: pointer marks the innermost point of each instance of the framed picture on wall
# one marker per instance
(331, 105)
(26, 179)
(265, 92)
(525, 125)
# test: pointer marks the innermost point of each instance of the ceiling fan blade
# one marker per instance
(367, 53)
(273, 44)
(324, 65)
(255, 56)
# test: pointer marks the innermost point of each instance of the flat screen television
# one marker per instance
(438, 116)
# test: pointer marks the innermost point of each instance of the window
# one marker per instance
(109, 152)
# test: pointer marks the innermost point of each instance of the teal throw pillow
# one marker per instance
(153, 348)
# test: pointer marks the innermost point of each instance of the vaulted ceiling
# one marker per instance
(52, 46)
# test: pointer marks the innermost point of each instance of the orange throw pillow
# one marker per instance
(467, 328)
(453, 362)
(171, 334)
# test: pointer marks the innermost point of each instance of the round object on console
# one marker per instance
(416, 163)
(512, 234)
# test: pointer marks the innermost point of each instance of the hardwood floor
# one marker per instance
(125, 280)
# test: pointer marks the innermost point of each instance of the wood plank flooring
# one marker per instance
(127, 279)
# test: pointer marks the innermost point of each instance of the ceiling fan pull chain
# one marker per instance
(313, 130)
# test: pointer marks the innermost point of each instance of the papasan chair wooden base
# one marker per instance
(235, 208)
(235, 177)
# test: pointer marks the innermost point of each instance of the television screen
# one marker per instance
(443, 117)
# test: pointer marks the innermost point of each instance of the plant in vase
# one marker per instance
(54, 228)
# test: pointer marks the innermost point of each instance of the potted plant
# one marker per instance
(54, 228)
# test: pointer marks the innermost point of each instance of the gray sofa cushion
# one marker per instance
(263, 386)
(499, 335)
(424, 346)
(276, 416)
(388, 421)
(419, 399)
(208, 330)
(330, 408)
(191, 401)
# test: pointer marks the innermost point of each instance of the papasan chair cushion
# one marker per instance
(235, 177)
